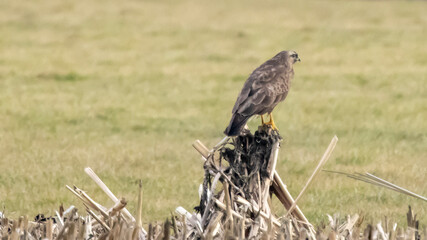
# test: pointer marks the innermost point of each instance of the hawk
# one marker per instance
(267, 86)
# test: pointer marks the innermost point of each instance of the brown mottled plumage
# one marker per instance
(263, 90)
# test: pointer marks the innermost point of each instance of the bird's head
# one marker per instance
(287, 57)
(293, 57)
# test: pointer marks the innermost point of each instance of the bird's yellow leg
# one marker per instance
(271, 122)
(262, 119)
(267, 123)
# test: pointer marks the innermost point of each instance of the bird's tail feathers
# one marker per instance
(236, 125)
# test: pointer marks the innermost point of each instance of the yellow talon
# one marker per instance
(271, 122)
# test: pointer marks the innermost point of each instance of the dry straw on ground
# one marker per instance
(235, 203)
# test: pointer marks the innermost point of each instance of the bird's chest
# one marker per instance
(283, 82)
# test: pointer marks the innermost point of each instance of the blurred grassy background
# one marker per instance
(126, 87)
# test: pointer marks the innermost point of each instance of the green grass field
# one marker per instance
(126, 87)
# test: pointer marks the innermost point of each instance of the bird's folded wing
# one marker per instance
(242, 97)
(256, 89)
(255, 103)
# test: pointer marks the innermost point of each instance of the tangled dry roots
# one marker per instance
(243, 164)
(250, 155)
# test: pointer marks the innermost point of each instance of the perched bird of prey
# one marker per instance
(267, 86)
